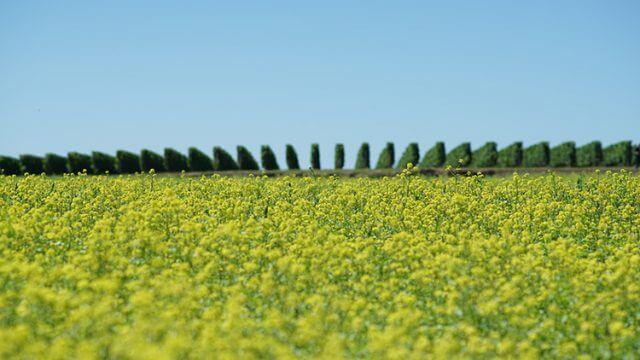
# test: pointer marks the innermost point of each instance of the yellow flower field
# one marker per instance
(405, 267)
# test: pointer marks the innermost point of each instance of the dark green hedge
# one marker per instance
(434, 157)
(268, 158)
(619, 154)
(222, 161)
(315, 156)
(459, 156)
(199, 161)
(363, 160)
(150, 160)
(9, 165)
(563, 155)
(536, 155)
(127, 162)
(387, 157)
(103, 163)
(79, 163)
(511, 156)
(55, 164)
(411, 155)
(32, 164)
(174, 161)
(589, 154)
(245, 159)
(338, 159)
(485, 156)
(292, 158)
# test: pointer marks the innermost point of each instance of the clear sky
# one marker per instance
(107, 75)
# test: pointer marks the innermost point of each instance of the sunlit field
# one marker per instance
(140, 266)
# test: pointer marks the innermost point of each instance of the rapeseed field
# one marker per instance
(406, 267)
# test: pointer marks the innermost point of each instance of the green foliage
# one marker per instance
(55, 164)
(563, 155)
(31, 164)
(511, 156)
(103, 163)
(619, 154)
(199, 161)
(79, 163)
(127, 162)
(268, 158)
(222, 161)
(434, 157)
(315, 156)
(150, 160)
(292, 158)
(411, 155)
(174, 161)
(9, 165)
(536, 155)
(485, 156)
(338, 159)
(387, 157)
(589, 154)
(246, 161)
(363, 160)
(459, 156)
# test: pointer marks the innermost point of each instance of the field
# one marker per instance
(142, 266)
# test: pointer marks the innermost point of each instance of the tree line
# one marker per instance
(515, 155)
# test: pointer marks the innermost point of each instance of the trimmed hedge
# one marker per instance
(589, 154)
(79, 163)
(619, 154)
(150, 160)
(459, 156)
(9, 165)
(31, 164)
(127, 162)
(514, 155)
(174, 161)
(563, 155)
(485, 156)
(387, 157)
(338, 158)
(363, 160)
(268, 158)
(199, 161)
(315, 156)
(103, 163)
(411, 155)
(222, 161)
(55, 164)
(245, 159)
(434, 157)
(511, 156)
(536, 155)
(292, 158)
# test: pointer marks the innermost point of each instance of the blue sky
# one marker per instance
(89, 75)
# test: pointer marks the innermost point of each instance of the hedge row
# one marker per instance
(411, 155)
(268, 158)
(387, 157)
(563, 155)
(338, 159)
(488, 155)
(485, 156)
(434, 157)
(246, 160)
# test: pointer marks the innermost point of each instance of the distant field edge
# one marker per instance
(376, 173)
